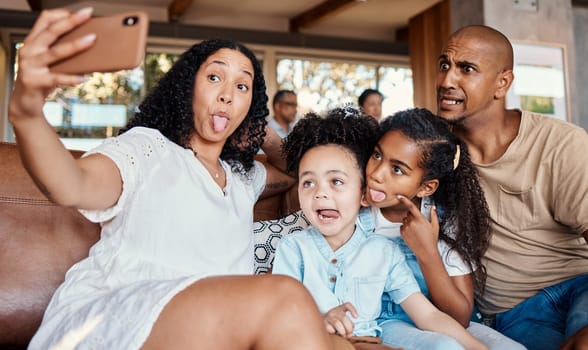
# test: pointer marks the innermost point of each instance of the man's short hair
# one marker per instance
(364, 95)
(281, 93)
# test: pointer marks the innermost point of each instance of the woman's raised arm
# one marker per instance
(93, 182)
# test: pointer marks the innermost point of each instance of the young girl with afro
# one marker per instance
(343, 264)
(425, 197)
(174, 194)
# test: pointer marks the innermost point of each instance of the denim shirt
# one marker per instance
(359, 272)
(452, 261)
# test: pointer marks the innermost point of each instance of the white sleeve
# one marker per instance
(453, 262)
(133, 152)
(259, 178)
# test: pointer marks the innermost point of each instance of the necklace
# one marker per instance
(216, 172)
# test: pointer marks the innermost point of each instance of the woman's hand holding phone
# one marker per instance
(34, 79)
(63, 46)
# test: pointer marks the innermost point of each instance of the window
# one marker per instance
(395, 83)
(322, 84)
(85, 114)
(156, 65)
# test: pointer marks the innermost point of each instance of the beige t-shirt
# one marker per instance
(537, 193)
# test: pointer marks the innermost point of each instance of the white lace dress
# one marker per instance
(171, 226)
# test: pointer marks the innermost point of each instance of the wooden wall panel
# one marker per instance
(427, 34)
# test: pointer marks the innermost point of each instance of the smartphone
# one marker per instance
(120, 44)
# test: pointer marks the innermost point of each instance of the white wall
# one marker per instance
(580, 33)
(553, 22)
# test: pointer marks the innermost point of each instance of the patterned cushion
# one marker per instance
(267, 234)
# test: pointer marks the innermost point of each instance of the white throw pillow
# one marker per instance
(268, 233)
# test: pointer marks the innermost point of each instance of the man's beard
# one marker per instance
(457, 121)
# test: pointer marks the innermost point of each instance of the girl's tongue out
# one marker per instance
(377, 196)
(328, 214)
(219, 123)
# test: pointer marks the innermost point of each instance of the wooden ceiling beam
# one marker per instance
(579, 3)
(176, 9)
(35, 5)
(320, 11)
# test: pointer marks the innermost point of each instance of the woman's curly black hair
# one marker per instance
(465, 217)
(345, 126)
(168, 107)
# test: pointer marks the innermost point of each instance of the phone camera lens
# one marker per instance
(130, 21)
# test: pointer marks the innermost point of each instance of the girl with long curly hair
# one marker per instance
(425, 196)
(174, 194)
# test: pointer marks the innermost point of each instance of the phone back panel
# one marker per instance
(120, 44)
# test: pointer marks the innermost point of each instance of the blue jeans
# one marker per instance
(546, 319)
(399, 333)
(404, 334)
(398, 330)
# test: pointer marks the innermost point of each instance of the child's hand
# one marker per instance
(418, 233)
(338, 322)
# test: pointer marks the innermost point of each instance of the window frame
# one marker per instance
(269, 55)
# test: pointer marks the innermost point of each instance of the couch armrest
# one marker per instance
(39, 242)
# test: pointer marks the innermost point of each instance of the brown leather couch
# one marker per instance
(40, 241)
